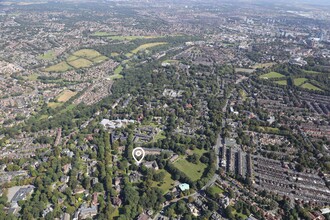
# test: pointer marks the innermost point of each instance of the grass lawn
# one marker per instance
(32, 77)
(159, 136)
(128, 55)
(146, 46)
(271, 75)
(217, 190)
(263, 65)
(54, 104)
(165, 185)
(118, 70)
(81, 63)
(65, 95)
(193, 171)
(197, 151)
(115, 214)
(72, 58)
(130, 38)
(116, 76)
(114, 54)
(102, 34)
(269, 129)
(43, 117)
(310, 87)
(282, 82)
(69, 107)
(242, 94)
(311, 72)
(60, 67)
(171, 61)
(299, 81)
(49, 55)
(100, 59)
(239, 214)
(244, 70)
(87, 53)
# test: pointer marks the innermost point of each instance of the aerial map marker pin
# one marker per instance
(138, 154)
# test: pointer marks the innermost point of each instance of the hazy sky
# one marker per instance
(293, 1)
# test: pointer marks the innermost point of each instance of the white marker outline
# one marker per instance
(137, 153)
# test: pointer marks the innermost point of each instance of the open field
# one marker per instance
(115, 214)
(54, 104)
(194, 172)
(166, 184)
(79, 59)
(145, 46)
(72, 58)
(299, 81)
(129, 54)
(240, 215)
(32, 77)
(159, 136)
(268, 129)
(244, 70)
(118, 70)
(311, 72)
(60, 67)
(100, 59)
(87, 53)
(130, 38)
(271, 75)
(80, 63)
(216, 190)
(102, 34)
(68, 108)
(310, 87)
(65, 95)
(263, 65)
(49, 55)
(282, 82)
(116, 76)
(171, 61)
(197, 151)
(242, 94)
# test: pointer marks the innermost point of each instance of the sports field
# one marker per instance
(194, 171)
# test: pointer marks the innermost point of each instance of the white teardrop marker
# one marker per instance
(138, 154)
